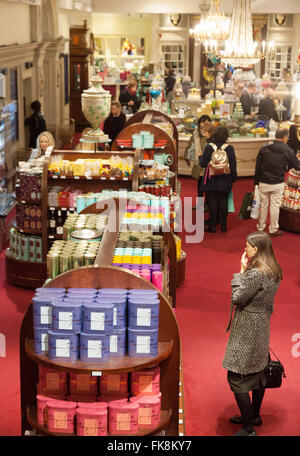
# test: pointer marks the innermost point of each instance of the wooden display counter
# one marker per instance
(289, 220)
(169, 356)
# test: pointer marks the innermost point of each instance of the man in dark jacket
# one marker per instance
(247, 99)
(266, 106)
(115, 122)
(36, 123)
(272, 162)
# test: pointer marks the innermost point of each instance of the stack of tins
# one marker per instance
(69, 404)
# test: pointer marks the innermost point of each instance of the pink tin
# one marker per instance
(93, 405)
(113, 398)
(139, 396)
(83, 384)
(60, 416)
(145, 381)
(42, 409)
(52, 381)
(91, 421)
(123, 418)
(114, 384)
(149, 410)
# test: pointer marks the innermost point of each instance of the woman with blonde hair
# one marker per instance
(266, 105)
(253, 292)
(44, 140)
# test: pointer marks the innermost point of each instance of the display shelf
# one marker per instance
(89, 178)
(160, 148)
(159, 134)
(169, 341)
(21, 201)
(28, 231)
(289, 219)
(32, 419)
(180, 275)
(26, 274)
(114, 366)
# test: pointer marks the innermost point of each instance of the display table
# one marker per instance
(169, 355)
(289, 220)
(246, 151)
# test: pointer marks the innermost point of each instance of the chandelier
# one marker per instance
(213, 27)
(240, 49)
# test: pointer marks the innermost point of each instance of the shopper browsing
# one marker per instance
(272, 161)
(266, 106)
(247, 98)
(115, 122)
(246, 356)
(44, 140)
(218, 187)
(36, 123)
(129, 99)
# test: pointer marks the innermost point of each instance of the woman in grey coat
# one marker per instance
(253, 293)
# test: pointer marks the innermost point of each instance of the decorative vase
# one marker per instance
(95, 105)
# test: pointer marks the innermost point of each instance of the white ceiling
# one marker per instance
(189, 6)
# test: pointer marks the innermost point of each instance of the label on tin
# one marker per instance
(63, 177)
(115, 316)
(97, 321)
(143, 317)
(46, 315)
(143, 344)
(145, 415)
(45, 342)
(123, 421)
(62, 348)
(113, 344)
(94, 349)
(65, 320)
(59, 230)
(52, 381)
(145, 383)
(113, 382)
(90, 427)
(60, 420)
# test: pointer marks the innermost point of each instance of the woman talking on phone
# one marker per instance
(253, 292)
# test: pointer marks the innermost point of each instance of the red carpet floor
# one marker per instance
(202, 310)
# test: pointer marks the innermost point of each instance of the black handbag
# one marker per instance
(245, 211)
(274, 371)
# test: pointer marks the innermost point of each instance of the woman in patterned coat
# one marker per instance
(253, 293)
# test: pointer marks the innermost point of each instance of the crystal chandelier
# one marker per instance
(213, 27)
(240, 49)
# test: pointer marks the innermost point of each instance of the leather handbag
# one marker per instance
(274, 372)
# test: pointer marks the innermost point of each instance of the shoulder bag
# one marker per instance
(274, 372)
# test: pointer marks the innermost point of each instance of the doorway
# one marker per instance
(27, 100)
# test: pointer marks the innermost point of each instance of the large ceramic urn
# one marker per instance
(95, 105)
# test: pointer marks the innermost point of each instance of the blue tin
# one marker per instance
(143, 313)
(119, 309)
(42, 311)
(154, 293)
(94, 347)
(82, 290)
(117, 342)
(41, 341)
(52, 290)
(142, 343)
(98, 317)
(62, 346)
(114, 291)
(66, 317)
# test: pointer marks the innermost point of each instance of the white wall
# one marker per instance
(14, 23)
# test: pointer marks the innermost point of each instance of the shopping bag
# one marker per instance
(230, 202)
(255, 204)
(246, 206)
(197, 171)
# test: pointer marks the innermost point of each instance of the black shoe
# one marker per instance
(224, 228)
(210, 229)
(238, 420)
(245, 433)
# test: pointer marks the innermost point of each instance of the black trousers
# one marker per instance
(217, 205)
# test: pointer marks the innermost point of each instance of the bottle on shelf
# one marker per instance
(59, 223)
(52, 222)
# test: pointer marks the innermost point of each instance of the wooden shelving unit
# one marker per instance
(289, 219)
(168, 358)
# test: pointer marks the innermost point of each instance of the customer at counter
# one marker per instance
(115, 122)
(129, 99)
(247, 98)
(266, 106)
(272, 162)
(217, 188)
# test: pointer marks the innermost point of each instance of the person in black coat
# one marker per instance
(115, 122)
(266, 106)
(217, 188)
(170, 81)
(129, 98)
(293, 140)
(36, 123)
(247, 99)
